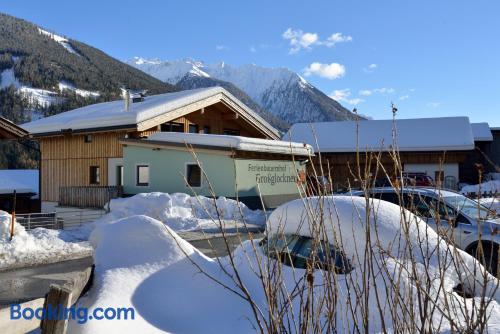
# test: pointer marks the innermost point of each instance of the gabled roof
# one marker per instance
(223, 142)
(9, 130)
(420, 134)
(481, 131)
(154, 110)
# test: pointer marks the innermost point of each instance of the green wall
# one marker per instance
(277, 179)
(167, 167)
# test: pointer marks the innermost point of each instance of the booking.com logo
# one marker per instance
(80, 314)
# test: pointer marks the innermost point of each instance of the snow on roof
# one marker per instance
(481, 131)
(234, 142)
(420, 134)
(113, 114)
(20, 180)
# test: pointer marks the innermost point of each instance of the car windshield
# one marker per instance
(297, 251)
(469, 207)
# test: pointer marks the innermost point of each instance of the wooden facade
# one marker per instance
(341, 168)
(66, 159)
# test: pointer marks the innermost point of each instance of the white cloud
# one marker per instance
(342, 95)
(404, 97)
(300, 40)
(328, 71)
(253, 49)
(370, 68)
(221, 48)
(383, 90)
(336, 38)
(433, 104)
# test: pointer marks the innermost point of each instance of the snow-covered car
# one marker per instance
(140, 262)
(463, 220)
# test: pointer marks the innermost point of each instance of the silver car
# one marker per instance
(464, 221)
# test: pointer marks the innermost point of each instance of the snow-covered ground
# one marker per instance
(59, 39)
(492, 186)
(142, 263)
(36, 246)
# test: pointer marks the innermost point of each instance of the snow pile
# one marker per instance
(143, 264)
(34, 247)
(8, 78)
(59, 39)
(488, 187)
(182, 212)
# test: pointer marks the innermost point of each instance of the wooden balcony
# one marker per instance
(88, 196)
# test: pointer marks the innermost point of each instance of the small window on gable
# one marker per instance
(142, 175)
(95, 175)
(193, 175)
(193, 128)
(87, 138)
(231, 132)
(206, 130)
(172, 127)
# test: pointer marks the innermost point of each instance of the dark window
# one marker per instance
(206, 130)
(87, 138)
(297, 251)
(95, 175)
(172, 127)
(119, 175)
(142, 175)
(193, 175)
(193, 128)
(231, 132)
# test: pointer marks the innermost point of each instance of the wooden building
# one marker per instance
(81, 152)
(9, 130)
(437, 147)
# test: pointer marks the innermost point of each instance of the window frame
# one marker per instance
(186, 165)
(87, 139)
(94, 175)
(170, 125)
(137, 166)
(196, 127)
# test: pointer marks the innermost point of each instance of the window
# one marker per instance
(95, 175)
(172, 127)
(142, 175)
(193, 128)
(119, 175)
(297, 251)
(231, 132)
(87, 138)
(193, 175)
(206, 130)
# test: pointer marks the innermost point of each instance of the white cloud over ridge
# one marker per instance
(342, 95)
(329, 71)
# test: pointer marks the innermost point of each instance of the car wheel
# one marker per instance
(489, 258)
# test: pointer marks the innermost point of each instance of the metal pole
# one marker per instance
(13, 216)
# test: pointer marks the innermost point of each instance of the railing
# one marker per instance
(45, 220)
(88, 196)
(66, 220)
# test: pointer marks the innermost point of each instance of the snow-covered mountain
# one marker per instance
(280, 91)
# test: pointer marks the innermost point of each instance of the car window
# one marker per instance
(297, 251)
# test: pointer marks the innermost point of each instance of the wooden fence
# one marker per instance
(88, 196)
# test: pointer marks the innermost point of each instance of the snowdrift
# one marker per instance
(36, 246)
(142, 263)
(488, 187)
(182, 212)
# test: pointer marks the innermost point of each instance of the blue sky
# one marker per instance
(431, 58)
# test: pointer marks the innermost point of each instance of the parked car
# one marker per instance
(461, 219)
(419, 179)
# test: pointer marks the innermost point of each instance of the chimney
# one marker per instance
(126, 96)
